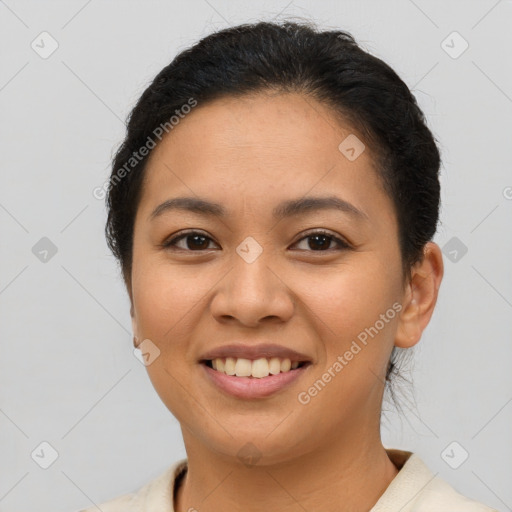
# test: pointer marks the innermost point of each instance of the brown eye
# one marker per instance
(193, 241)
(321, 241)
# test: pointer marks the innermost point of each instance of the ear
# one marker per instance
(420, 296)
(136, 339)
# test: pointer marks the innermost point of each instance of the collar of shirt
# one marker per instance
(414, 489)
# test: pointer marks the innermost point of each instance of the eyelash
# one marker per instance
(171, 243)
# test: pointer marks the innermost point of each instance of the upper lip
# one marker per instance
(266, 350)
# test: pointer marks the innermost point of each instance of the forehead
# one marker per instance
(256, 150)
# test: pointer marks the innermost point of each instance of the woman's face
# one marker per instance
(252, 277)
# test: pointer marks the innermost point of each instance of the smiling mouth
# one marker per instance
(256, 368)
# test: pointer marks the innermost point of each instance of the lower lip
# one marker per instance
(252, 387)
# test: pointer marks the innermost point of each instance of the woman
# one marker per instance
(272, 209)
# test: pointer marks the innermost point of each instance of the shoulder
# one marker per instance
(417, 489)
(155, 496)
(445, 498)
(113, 505)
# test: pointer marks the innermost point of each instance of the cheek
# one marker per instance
(354, 320)
(347, 300)
(164, 301)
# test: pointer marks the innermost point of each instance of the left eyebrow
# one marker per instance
(285, 209)
(305, 204)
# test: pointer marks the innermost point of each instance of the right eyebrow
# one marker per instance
(190, 204)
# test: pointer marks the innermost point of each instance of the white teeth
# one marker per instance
(286, 364)
(274, 365)
(243, 367)
(258, 368)
(229, 366)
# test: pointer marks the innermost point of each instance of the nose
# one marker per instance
(251, 293)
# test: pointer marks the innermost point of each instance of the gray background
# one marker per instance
(68, 375)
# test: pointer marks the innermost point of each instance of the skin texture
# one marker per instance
(249, 154)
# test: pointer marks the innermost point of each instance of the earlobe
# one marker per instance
(421, 297)
(408, 332)
(134, 327)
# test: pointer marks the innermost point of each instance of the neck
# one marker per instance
(348, 474)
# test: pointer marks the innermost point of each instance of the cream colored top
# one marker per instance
(414, 489)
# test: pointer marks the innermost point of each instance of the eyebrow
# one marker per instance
(285, 209)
